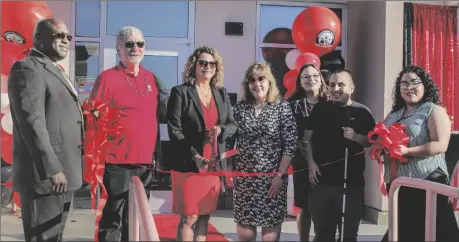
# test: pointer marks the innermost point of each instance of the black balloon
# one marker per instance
(7, 195)
(6, 173)
(332, 62)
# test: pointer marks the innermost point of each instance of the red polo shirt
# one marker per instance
(137, 98)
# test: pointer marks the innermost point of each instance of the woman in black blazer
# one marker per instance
(195, 108)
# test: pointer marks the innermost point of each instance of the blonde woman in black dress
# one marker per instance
(267, 140)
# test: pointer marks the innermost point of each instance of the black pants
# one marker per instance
(113, 225)
(412, 215)
(326, 204)
(44, 216)
(301, 187)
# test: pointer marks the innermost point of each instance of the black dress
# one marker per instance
(262, 141)
(301, 111)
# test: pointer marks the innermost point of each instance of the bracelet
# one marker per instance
(281, 175)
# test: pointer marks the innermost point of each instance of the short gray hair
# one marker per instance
(125, 32)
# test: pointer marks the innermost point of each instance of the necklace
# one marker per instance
(204, 94)
(257, 109)
(308, 107)
(259, 106)
(148, 87)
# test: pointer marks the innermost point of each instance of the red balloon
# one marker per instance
(19, 19)
(11, 53)
(289, 93)
(317, 30)
(7, 145)
(307, 58)
(290, 79)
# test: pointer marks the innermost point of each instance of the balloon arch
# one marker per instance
(18, 19)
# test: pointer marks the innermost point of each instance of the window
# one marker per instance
(96, 24)
(274, 37)
(150, 17)
(86, 67)
(87, 19)
(164, 67)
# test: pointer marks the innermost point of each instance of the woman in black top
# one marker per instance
(310, 89)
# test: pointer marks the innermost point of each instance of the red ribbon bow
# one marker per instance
(388, 138)
(101, 129)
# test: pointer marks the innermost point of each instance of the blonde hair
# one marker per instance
(259, 69)
(189, 74)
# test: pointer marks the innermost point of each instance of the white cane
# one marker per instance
(348, 124)
(344, 195)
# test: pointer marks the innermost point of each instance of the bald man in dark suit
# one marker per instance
(47, 135)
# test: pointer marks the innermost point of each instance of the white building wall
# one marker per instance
(62, 10)
(238, 52)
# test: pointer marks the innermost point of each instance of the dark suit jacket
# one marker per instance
(47, 126)
(186, 125)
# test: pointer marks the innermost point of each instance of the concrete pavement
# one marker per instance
(80, 227)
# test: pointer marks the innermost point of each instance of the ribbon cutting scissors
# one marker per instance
(214, 163)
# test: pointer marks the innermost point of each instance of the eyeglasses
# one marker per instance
(203, 63)
(310, 77)
(63, 36)
(130, 44)
(260, 79)
(413, 84)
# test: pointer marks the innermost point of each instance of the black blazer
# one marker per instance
(47, 122)
(186, 125)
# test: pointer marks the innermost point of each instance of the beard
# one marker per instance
(341, 102)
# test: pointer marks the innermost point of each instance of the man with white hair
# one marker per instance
(135, 91)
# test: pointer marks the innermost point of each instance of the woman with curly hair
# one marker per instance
(310, 89)
(198, 111)
(266, 140)
(416, 105)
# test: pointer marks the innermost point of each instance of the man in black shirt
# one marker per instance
(332, 127)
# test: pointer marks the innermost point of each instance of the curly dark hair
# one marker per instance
(299, 91)
(430, 88)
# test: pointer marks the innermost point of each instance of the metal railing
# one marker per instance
(432, 189)
(141, 224)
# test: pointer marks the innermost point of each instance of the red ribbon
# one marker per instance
(388, 138)
(99, 133)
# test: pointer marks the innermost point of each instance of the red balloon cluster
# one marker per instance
(316, 31)
(18, 20)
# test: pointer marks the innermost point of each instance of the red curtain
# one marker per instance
(435, 48)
